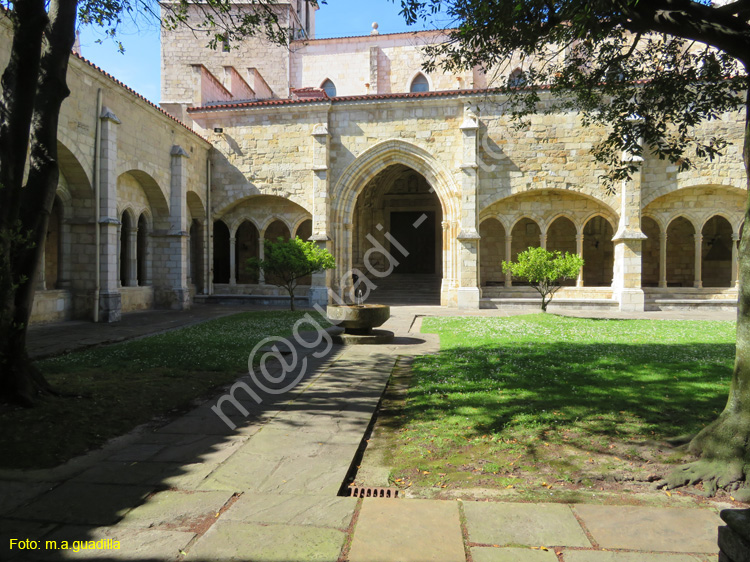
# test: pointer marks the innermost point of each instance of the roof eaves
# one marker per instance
(132, 91)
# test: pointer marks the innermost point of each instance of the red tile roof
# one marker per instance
(339, 99)
(136, 94)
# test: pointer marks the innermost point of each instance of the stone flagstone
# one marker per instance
(524, 524)
(175, 510)
(651, 528)
(490, 554)
(234, 540)
(334, 512)
(83, 503)
(407, 531)
(600, 556)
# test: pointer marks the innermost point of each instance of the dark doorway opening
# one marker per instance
(415, 231)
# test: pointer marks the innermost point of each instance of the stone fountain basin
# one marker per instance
(358, 319)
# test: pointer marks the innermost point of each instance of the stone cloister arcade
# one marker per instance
(239, 235)
(689, 245)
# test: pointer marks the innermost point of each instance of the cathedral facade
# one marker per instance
(399, 173)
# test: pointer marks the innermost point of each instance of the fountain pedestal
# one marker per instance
(359, 322)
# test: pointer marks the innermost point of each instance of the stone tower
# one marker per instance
(255, 69)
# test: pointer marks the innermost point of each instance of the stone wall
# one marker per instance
(370, 64)
(182, 47)
(139, 153)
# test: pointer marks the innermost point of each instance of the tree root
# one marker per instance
(24, 383)
(714, 474)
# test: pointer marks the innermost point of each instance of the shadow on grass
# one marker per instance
(648, 391)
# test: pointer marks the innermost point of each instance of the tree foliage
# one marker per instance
(33, 90)
(545, 271)
(650, 73)
(645, 71)
(285, 262)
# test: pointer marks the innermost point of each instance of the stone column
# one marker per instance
(579, 251)
(175, 292)
(261, 256)
(65, 257)
(41, 281)
(468, 237)
(445, 284)
(628, 241)
(110, 301)
(663, 259)
(232, 260)
(132, 256)
(321, 209)
(735, 262)
(119, 255)
(508, 252)
(374, 55)
(698, 282)
(543, 241)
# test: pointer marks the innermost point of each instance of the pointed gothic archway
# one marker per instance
(392, 161)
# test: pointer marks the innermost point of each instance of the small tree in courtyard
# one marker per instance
(545, 270)
(288, 261)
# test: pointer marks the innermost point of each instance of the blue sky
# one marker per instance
(139, 66)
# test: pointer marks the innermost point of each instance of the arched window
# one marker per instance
(420, 84)
(517, 79)
(196, 254)
(142, 252)
(52, 247)
(126, 251)
(221, 253)
(329, 88)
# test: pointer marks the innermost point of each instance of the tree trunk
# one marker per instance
(724, 445)
(23, 223)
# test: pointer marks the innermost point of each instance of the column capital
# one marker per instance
(108, 115)
(177, 150)
(321, 130)
(471, 120)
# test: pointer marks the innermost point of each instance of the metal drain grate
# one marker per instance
(373, 492)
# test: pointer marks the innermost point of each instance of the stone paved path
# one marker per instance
(267, 490)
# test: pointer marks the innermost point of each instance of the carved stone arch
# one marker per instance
(299, 223)
(267, 224)
(156, 199)
(69, 157)
(66, 202)
(129, 210)
(148, 216)
(687, 216)
(687, 184)
(658, 219)
(195, 206)
(708, 215)
(560, 214)
(610, 219)
(528, 216)
(383, 155)
(236, 223)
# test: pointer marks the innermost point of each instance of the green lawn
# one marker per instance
(541, 401)
(127, 384)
